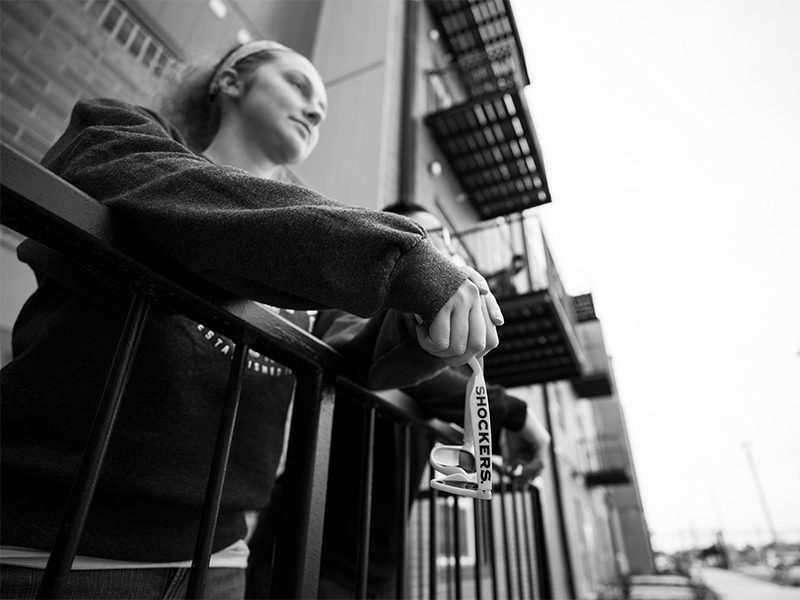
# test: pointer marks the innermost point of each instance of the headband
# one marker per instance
(238, 55)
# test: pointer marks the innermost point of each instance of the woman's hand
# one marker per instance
(466, 326)
(524, 451)
(495, 314)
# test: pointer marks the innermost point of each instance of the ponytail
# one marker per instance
(189, 108)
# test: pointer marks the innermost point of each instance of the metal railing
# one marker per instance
(463, 81)
(513, 254)
(465, 548)
(41, 206)
(602, 454)
(596, 356)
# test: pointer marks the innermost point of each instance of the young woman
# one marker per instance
(199, 186)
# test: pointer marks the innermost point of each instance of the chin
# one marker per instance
(298, 157)
(294, 160)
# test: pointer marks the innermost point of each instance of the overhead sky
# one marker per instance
(670, 132)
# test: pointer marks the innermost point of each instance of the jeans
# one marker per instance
(22, 583)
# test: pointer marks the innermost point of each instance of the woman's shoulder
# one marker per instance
(109, 126)
(114, 112)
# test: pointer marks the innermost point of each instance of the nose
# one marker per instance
(314, 113)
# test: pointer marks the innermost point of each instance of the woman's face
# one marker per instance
(283, 106)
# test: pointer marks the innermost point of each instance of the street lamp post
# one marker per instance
(749, 454)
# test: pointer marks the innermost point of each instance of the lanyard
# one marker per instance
(468, 467)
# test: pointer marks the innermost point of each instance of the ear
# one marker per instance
(230, 83)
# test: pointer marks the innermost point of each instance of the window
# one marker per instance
(131, 34)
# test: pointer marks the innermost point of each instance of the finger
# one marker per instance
(483, 287)
(493, 308)
(462, 329)
(474, 335)
(467, 336)
(478, 279)
(428, 344)
(436, 337)
(492, 340)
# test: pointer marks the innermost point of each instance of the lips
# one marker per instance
(305, 126)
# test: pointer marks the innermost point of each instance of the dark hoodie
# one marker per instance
(272, 242)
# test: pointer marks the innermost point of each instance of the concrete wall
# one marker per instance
(211, 27)
(440, 192)
(355, 51)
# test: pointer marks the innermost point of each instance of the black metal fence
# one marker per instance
(460, 549)
(465, 548)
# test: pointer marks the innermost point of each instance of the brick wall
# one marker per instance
(54, 53)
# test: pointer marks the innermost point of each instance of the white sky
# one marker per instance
(670, 132)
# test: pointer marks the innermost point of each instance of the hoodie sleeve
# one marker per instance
(269, 241)
(383, 350)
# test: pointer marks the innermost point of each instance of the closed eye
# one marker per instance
(299, 83)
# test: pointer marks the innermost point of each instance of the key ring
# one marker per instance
(468, 467)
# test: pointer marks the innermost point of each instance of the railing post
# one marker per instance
(478, 514)
(432, 535)
(208, 521)
(531, 284)
(506, 544)
(420, 547)
(492, 550)
(365, 501)
(299, 535)
(402, 517)
(518, 543)
(447, 518)
(457, 548)
(54, 580)
(540, 546)
(527, 528)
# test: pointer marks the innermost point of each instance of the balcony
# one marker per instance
(538, 342)
(477, 111)
(596, 380)
(478, 29)
(605, 461)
